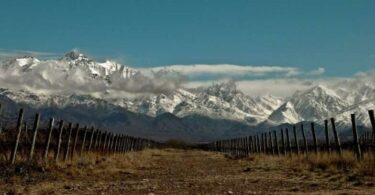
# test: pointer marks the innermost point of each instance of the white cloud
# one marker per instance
(282, 87)
(227, 69)
(11, 53)
(318, 71)
(231, 70)
(55, 77)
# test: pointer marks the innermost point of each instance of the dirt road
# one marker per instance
(184, 172)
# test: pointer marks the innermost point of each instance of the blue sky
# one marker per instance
(338, 36)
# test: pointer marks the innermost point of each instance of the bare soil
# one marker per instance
(172, 171)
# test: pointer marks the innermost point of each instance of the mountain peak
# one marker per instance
(75, 55)
(320, 90)
(226, 90)
(229, 86)
(26, 60)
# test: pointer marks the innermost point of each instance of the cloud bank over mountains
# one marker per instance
(74, 73)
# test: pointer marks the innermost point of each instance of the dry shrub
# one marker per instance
(323, 161)
(333, 162)
(94, 165)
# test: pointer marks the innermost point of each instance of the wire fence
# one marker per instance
(31, 139)
(295, 140)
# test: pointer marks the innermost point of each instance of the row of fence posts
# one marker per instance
(270, 143)
(74, 144)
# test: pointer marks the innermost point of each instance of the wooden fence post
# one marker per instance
(336, 135)
(238, 145)
(276, 143)
(265, 143)
(258, 145)
(283, 141)
(126, 144)
(137, 144)
(372, 119)
(75, 141)
(67, 148)
(232, 146)
(254, 138)
(125, 138)
(288, 140)
(98, 137)
(61, 128)
(251, 144)
(314, 138)
(91, 138)
(1, 125)
(19, 130)
(112, 143)
(105, 141)
(35, 130)
(26, 132)
(109, 140)
(132, 145)
(261, 139)
(121, 141)
(84, 140)
(357, 148)
(271, 142)
(115, 143)
(244, 146)
(296, 144)
(101, 140)
(306, 147)
(50, 129)
(328, 145)
(368, 138)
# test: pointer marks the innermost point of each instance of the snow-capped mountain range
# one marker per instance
(70, 62)
(38, 84)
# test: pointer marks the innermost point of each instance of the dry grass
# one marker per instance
(333, 162)
(329, 169)
(172, 171)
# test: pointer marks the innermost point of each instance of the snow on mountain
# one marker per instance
(27, 61)
(70, 64)
(58, 101)
(317, 103)
(219, 101)
(225, 101)
(23, 63)
(285, 114)
(97, 69)
(357, 90)
(361, 112)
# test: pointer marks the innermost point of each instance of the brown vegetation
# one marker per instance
(172, 171)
